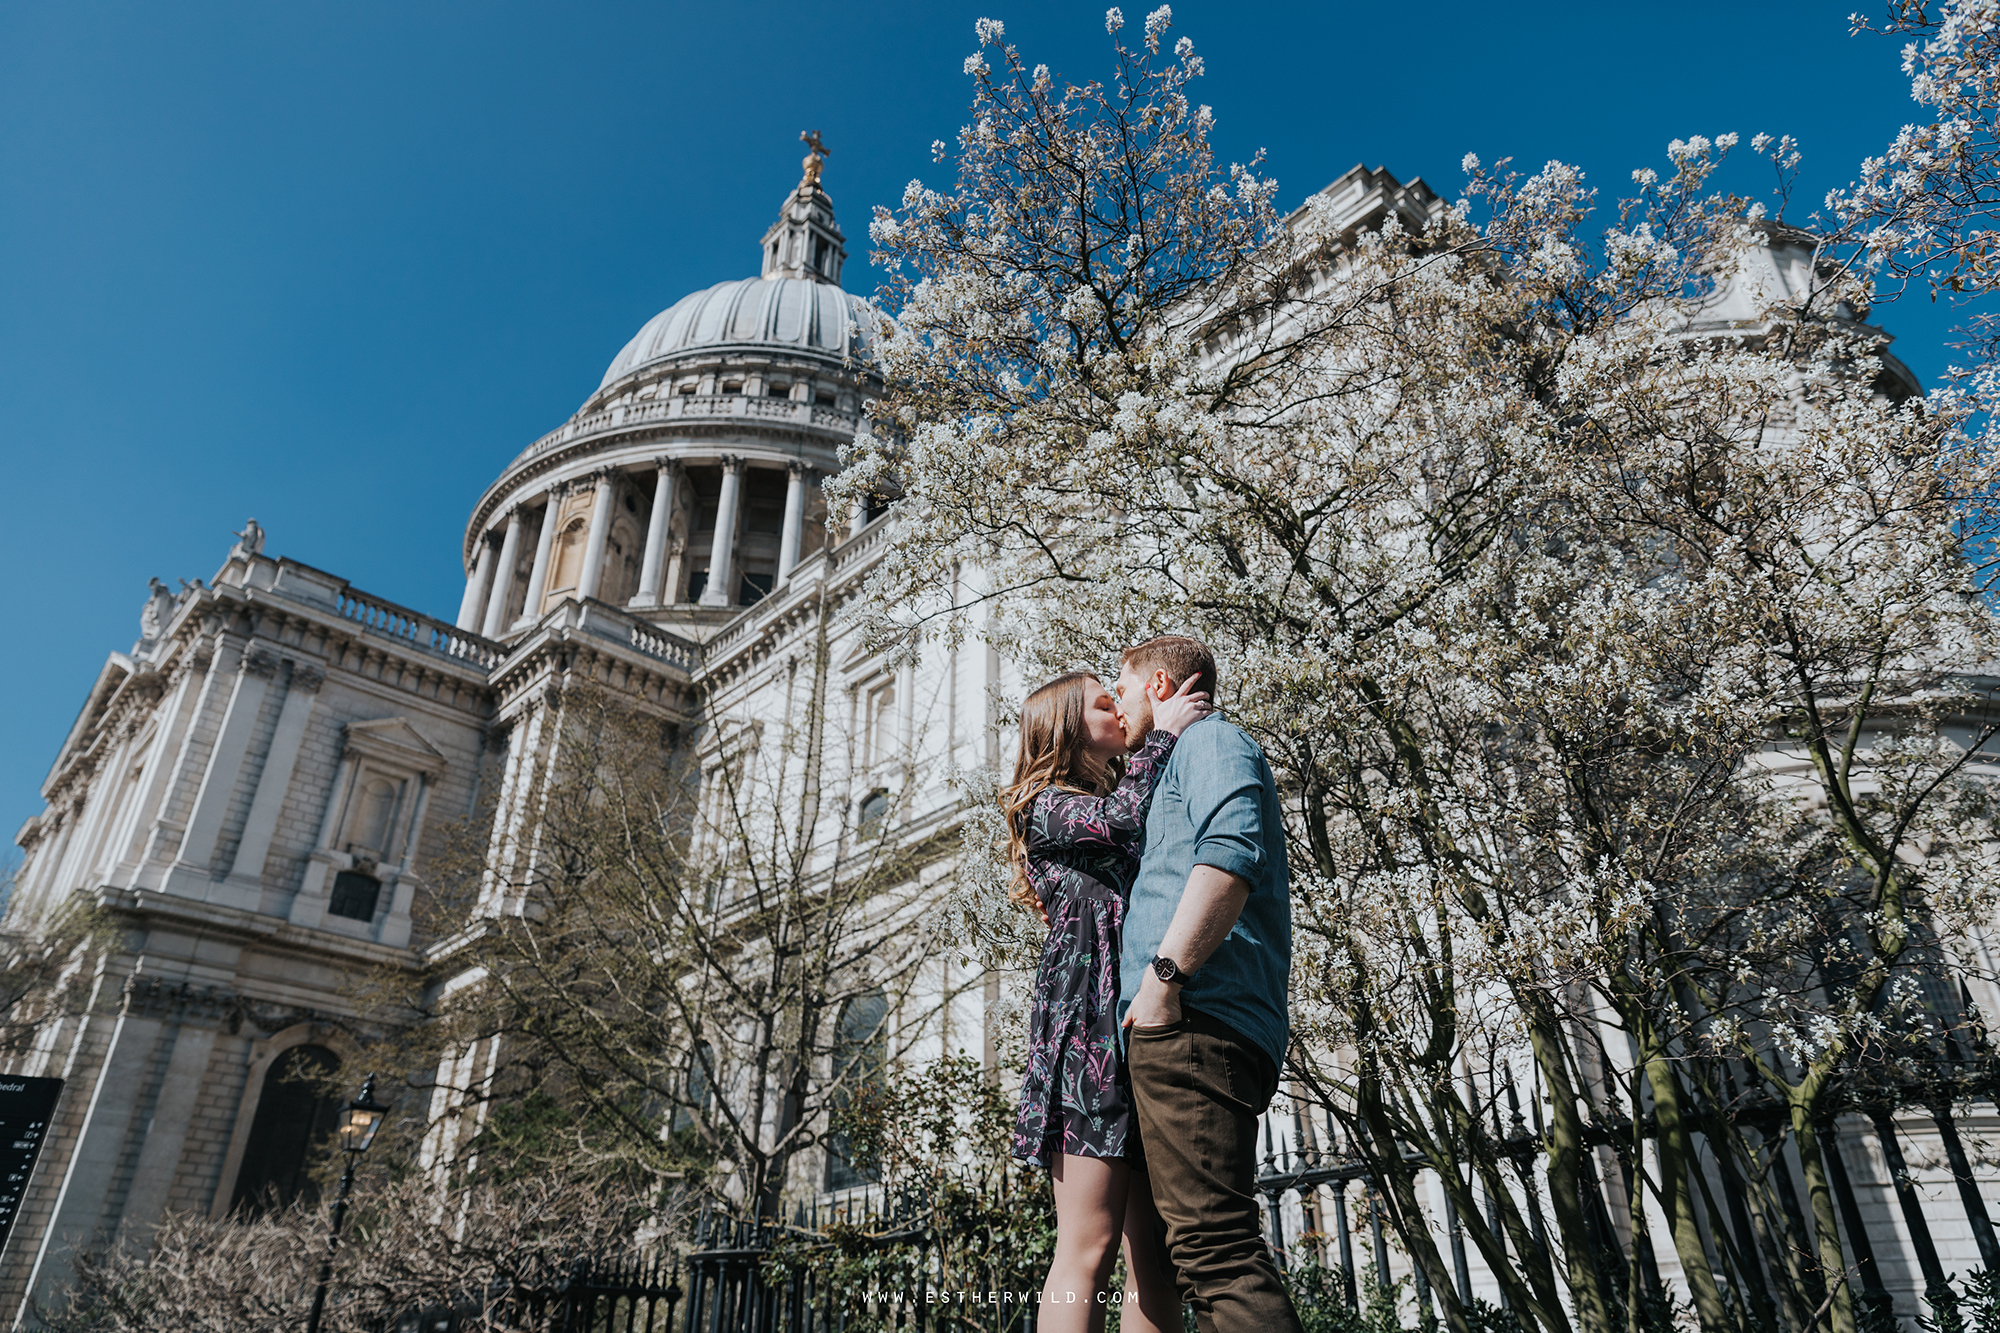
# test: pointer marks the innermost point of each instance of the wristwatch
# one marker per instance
(1167, 970)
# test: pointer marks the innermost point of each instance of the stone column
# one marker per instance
(475, 587)
(538, 577)
(720, 590)
(276, 779)
(600, 533)
(656, 536)
(190, 1045)
(113, 1092)
(187, 678)
(190, 875)
(503, 577)
(215, 667)
(795, 521)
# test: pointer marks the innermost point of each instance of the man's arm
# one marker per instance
(1223, 795)
(1208, 910)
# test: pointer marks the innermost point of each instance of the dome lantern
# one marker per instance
(805, 241)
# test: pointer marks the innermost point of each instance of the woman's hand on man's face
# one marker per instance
(1186, 707)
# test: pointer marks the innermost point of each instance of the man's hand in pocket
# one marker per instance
(1157, 1004)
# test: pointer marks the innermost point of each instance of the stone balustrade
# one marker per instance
(665, 647)
(841, 563)
(694, 407)
(861, 548)
(415, 629)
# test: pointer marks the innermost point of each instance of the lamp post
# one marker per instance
(359, 1120)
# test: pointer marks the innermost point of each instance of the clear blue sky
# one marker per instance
(333, 264)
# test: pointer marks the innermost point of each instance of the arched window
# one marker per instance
(375, 807)
(295, 1121)
(569, 556)
(860, 1060)
(874, 812)
(620, 577)
(879, 724)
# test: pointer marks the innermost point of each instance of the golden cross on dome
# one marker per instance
(815, 157)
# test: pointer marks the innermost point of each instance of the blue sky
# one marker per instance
(333, 264)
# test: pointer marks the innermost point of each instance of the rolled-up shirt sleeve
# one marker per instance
(1224, 787)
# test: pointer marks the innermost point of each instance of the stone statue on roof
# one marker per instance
(250, 541)
(159, 609)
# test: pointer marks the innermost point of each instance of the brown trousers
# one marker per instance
(1199, 1089)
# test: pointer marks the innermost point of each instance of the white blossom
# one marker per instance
(1551, 552)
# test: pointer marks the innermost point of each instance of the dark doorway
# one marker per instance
(296, 1116)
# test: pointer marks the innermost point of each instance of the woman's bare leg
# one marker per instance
(1152, 1298)
(1090, 1213)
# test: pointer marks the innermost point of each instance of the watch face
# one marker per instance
(1164, 969)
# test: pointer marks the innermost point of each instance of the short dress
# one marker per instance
(1082, 857)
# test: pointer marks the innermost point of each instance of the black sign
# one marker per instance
(27, 1105)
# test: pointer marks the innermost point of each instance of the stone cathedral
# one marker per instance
(253, 791)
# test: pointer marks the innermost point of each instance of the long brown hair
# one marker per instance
(1055, 752)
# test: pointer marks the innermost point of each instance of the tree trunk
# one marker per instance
(1832, 1262)
(1406, 1212)
(1565, 1147)
(1675, 1145)
(1527, 1280)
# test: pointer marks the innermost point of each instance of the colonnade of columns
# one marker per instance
(489, 589)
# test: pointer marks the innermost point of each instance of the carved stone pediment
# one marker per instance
(395, 744)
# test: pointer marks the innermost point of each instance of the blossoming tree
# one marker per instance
(1597, 586)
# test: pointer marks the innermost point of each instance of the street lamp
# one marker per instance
(359, 1121)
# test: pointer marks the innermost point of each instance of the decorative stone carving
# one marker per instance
(249, 542)
(259, 662)
(159, 609)
(151, 997)
(307, 678)
(395, 744)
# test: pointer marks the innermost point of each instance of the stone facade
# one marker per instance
(198, 800)
(254, 790)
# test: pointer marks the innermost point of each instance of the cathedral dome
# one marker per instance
(709, 433)
(795, 307)
(773, 313)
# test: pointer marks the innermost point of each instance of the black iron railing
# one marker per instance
(728, 1282)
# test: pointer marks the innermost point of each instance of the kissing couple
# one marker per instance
(1145, 829)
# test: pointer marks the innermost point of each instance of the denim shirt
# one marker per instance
(1217, 805)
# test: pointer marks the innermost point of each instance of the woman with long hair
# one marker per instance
(1076, 820)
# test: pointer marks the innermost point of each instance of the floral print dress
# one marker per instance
(1083, 855)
